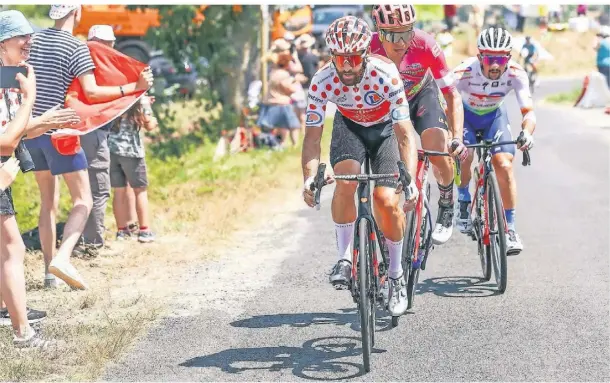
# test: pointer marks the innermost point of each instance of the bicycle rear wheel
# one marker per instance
(497, 232)
(366, 303)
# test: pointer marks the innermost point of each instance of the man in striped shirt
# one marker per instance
(58, 57)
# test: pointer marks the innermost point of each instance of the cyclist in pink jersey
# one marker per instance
(421, 63)
(372, 117)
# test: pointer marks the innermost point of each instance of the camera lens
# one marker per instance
(25, 159)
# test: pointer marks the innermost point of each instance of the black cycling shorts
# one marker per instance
(426, 109)
(352, 141)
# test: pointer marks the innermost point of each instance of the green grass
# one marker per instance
(165, 176)
(565, 97)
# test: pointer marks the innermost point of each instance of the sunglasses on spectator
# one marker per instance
(395, 37)
(501, 60)
(341, 61)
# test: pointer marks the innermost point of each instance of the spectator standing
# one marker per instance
(276, 111)
(309, 62)
(58, 57)
(95, 146)
(15, 122)
(450, 16)
(603, 52)
(128, 165)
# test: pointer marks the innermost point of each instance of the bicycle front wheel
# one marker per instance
(497, 232)
(366, 299)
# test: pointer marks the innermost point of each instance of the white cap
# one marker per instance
(60, 11)
(102, 32)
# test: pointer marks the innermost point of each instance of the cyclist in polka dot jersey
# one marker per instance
(372, 117)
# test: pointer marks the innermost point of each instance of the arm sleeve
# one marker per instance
(522, 91)
(316, 104)
(81, 61)
(442, 75)
(459, 75)
(399, 106)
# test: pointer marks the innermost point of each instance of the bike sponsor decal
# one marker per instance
(400, 113)
(313, 118)
(372, 98)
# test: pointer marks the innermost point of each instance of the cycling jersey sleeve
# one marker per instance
(399, 106)
(442, 75)
(461, 74)
(316, 100)
(522, 91)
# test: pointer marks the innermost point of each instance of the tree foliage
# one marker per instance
(227, 39)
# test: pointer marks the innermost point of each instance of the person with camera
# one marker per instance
(15, 122)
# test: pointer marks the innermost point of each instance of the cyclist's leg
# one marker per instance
(471, 121)
(389, 215)
(502, 160)
(347, 153)
(431, 124)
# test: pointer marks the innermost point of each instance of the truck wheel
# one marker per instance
(138, 50)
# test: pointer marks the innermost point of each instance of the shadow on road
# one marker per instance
(346, 317)
(315, 360)
(457, 287)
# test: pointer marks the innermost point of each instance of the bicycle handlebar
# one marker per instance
(527, 160)
(319, 181)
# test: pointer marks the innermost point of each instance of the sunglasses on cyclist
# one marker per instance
(501, 60)
(395, 37)
(341, 61)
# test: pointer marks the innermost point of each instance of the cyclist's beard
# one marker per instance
(353, 77)
(494, 72)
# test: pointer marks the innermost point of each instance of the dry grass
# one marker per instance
(573, 52)
(192, 218)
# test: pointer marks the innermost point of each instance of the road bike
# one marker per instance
(418, 232)
(369, 272)
(489, 231)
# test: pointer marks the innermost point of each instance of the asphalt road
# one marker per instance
(267, 312)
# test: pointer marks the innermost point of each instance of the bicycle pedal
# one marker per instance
(340, 286)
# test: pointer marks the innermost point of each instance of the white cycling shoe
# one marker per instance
(398, 301)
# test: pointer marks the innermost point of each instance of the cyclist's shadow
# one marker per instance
(348, 316)
(457, 287)
(315, 360)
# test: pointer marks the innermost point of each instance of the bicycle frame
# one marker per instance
(484, 168)
(421, 181)
(365, 211)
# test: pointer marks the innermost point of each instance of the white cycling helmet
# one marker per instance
(348, 35)
(495, 40)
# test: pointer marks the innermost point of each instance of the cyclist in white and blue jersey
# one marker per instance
(484, 82)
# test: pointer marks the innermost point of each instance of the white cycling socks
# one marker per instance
(345, 236)
(395, 250)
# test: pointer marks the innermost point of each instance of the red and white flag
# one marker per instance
(112, 68)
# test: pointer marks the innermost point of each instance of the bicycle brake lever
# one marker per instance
(526, 158)
(318, 183)
(404, 177)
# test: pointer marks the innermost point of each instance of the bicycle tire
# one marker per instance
(484, 255)
(364, 284)
(426, 234)
(494, 203)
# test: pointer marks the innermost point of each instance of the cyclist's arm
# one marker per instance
(446, 82)
(524, 97)
(401, 122)
(310, 157)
